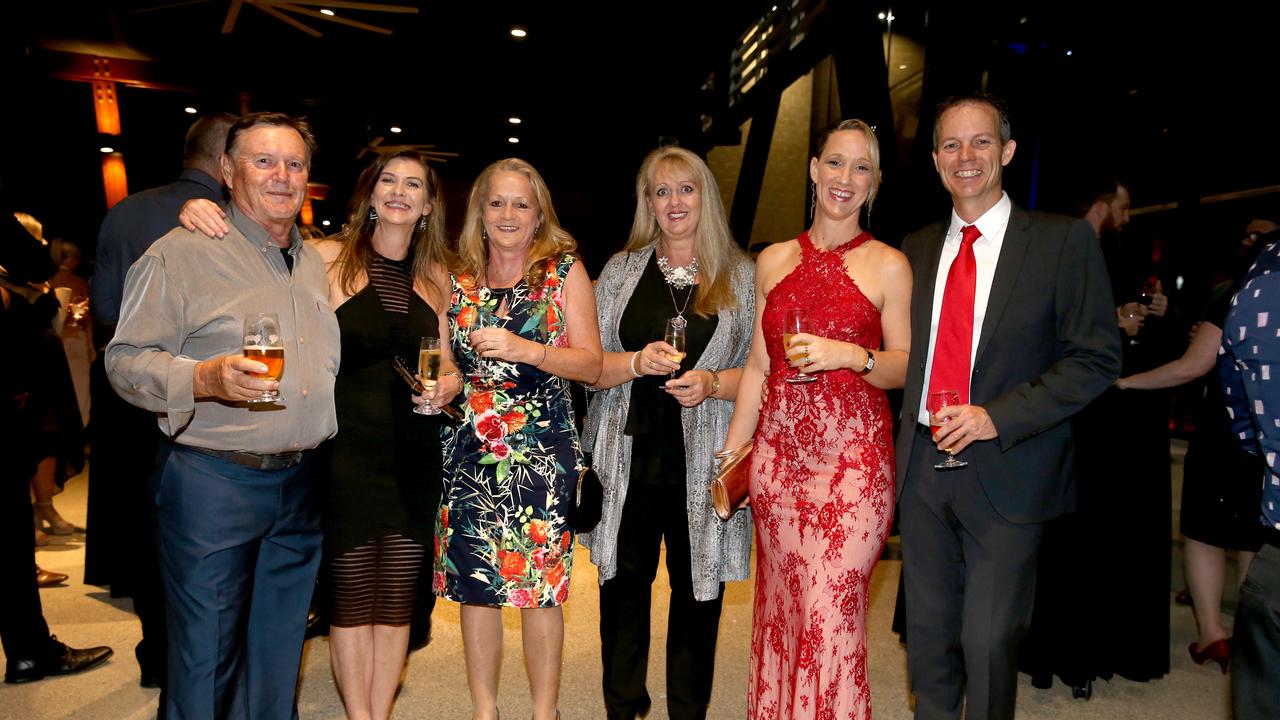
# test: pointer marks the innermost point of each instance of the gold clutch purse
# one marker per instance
(730, 490)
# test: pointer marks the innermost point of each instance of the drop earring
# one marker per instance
(813, 199)
(422, 224)
(373, 214)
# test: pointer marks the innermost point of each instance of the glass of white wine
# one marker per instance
(674, 336)
(263, 342)
(795, 321)
(428, 371)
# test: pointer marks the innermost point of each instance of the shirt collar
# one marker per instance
(257, 235)
(990, 224)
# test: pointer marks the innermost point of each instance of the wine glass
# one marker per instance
(263, 342)
(794, 322)
(674, 336)
(79, 307)
(428, 371)
(937, 400)
(484, 369)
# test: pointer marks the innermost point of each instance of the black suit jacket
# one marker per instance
(1048, 346)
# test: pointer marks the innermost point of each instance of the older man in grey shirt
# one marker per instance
(237, 519)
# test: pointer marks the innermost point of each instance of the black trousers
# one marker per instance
(22, 627)
(970, 579)
(652, 514)
(120, 548)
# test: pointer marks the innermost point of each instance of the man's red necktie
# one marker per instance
(954, 345)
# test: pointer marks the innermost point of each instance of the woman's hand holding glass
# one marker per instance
(811, 353)
(692, 387)
(495, 343)
(442, 392)
(658, 358)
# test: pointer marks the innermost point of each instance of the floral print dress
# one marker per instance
(502, 534)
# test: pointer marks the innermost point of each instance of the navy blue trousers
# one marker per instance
(239, 549)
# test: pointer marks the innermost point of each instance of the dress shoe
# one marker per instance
(1218, 651)
(61, 660)
(45, 579)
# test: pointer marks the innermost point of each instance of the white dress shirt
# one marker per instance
(986, 254)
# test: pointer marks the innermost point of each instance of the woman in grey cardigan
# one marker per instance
(654, 425)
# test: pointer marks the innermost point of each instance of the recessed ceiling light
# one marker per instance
(881, 16)
(324, 223)
(189, 110)
(513, 139)
(902, 67)
(518, 32)
(395, 128)
(326, 11)
(107, 149)
(1068, 53)
(514, 120)
(774, 9)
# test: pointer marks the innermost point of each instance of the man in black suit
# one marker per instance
(1012, 311)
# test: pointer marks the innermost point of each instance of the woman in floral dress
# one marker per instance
(522, 324)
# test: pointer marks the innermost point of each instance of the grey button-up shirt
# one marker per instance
(185, 301)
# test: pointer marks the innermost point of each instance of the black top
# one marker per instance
(384, 467)
(653, 418)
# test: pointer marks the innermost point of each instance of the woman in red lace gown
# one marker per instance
(822, 468)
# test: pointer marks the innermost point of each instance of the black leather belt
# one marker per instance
(257, 461)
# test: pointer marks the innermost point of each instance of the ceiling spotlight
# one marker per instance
(514, 120)
(513, 140)
(518, 32)
(189, 110)
(902, 67)
(325, 223)
(326, 11)
(107, 149)
(774, 9)
(881, 16)
(395, 128)
(1068, 53)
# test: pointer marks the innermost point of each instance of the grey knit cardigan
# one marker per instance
(720, 551)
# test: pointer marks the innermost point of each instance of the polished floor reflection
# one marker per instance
(435, 684)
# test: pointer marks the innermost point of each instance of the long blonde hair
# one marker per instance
(549, 239)
(430, 245)
(713, 243)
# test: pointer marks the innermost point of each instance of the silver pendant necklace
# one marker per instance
(679, 278)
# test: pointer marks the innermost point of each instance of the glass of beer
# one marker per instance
(428, 371)
(674, 336)
(795, 321)
(263, 342)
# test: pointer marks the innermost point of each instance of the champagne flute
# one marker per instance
(795, 321)
(937, 400)
(263, 342)
(428, 371)
(674, 336)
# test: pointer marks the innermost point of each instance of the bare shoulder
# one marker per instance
(886, 257)
(776, 255)
(328, 248)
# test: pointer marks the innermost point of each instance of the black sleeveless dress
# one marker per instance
(385, 462)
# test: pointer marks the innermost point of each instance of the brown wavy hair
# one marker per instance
(549, 239)
(430, 246)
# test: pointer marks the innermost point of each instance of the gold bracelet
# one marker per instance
(715, 383)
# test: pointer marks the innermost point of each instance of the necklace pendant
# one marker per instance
(679, 322)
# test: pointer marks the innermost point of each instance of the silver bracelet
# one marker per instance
(632, 365)
(544, 357)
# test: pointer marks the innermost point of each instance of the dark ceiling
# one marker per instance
(1179, 103)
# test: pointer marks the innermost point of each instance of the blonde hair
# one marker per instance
(429, 244)
(549, 239)
(873, 150)
(713, 243)
(32, 225)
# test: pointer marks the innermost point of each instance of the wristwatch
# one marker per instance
(870, 364)
(715, 382)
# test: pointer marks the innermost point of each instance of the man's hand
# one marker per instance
(1159, 301)
(961, 426)
(1130, 317)
(230, 377)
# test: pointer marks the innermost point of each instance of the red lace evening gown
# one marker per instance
(822, 499)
